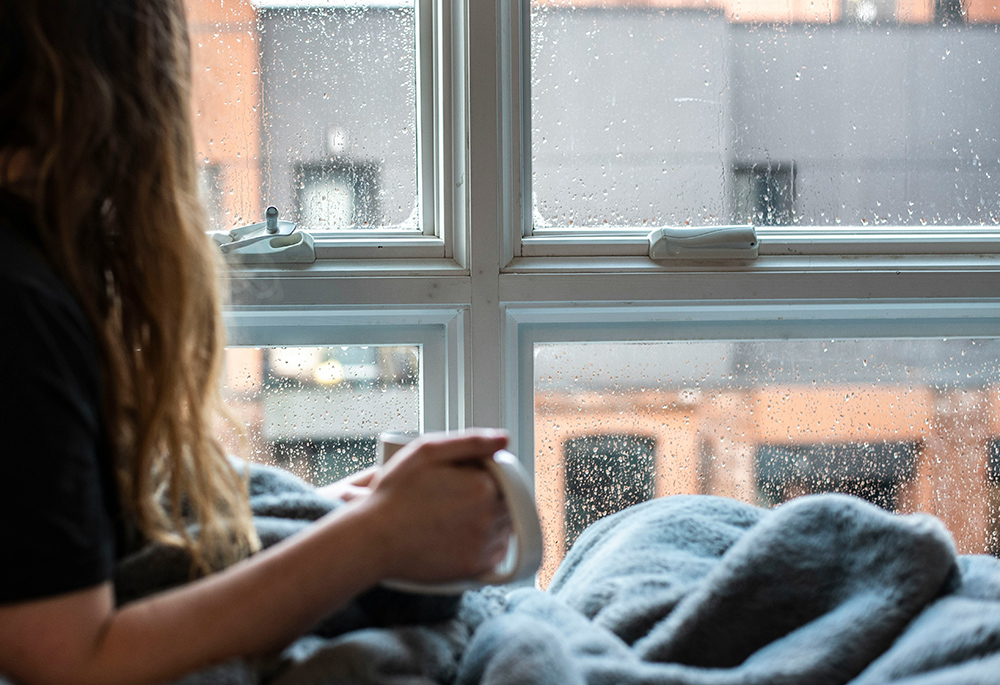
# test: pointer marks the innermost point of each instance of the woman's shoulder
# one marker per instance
(51, 354)
(23, 267)
(36, 302)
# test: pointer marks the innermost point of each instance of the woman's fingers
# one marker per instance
(351, 492)
(363, 478)
(352, 487)
(444, 447)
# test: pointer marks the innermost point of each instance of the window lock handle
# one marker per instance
(271, 241)
(703, 243)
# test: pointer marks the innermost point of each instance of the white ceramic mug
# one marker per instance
(524, 553)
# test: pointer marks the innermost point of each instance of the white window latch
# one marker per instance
(271, 241)
(703, 243)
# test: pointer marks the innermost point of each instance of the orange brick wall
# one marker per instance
(226, 100)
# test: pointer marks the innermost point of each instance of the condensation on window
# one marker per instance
(860, 113)
(909, 425)
(307, 106)
(317, 411)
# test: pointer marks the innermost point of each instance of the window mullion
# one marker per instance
(489, 208)
(517, 117)
(427, 130)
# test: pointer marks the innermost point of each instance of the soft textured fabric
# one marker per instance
(56, 482)
(687, 590)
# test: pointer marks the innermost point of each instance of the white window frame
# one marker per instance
(532, 244)
(726, 320)
(496, 289)
(437, 333)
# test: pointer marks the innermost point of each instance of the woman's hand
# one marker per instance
(439, 514)
(352, 487)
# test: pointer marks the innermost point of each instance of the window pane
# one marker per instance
(911, 425)
(318, 410)
(309, 106)
(862, 112)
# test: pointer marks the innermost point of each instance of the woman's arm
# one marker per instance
(428, 517)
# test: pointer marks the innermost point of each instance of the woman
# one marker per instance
(113, 347)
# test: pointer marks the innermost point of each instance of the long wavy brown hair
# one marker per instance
(96, 98)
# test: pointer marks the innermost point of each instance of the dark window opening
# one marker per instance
(210, 183)
(993, 461)
(605, 474)
(337, 195)
(706, 466)
(764, 194)
(870, 11)
(993, 488)
(949, 12)
(876, 472)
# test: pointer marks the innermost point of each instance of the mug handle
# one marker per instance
(524, 554)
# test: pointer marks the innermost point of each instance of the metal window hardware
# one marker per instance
(272, 241)
(704, 243)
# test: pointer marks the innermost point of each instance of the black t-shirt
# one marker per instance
(58, 504)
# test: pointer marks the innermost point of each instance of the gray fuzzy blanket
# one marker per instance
(687, 590)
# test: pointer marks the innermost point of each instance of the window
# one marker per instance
(337, 195)
(338, 81)
(905, 422)
(872, 115)
(605, 473)
(481, 179)
(876, 472)
(949, 11)
(210, 189)
(764, 194)
(317, 410)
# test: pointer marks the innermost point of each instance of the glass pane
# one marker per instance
(861, 112)
(318, 410)
(309, 105)
(911, 425)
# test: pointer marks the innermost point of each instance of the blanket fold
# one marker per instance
(828, 576)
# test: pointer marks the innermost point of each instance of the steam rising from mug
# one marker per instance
(524, 553)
